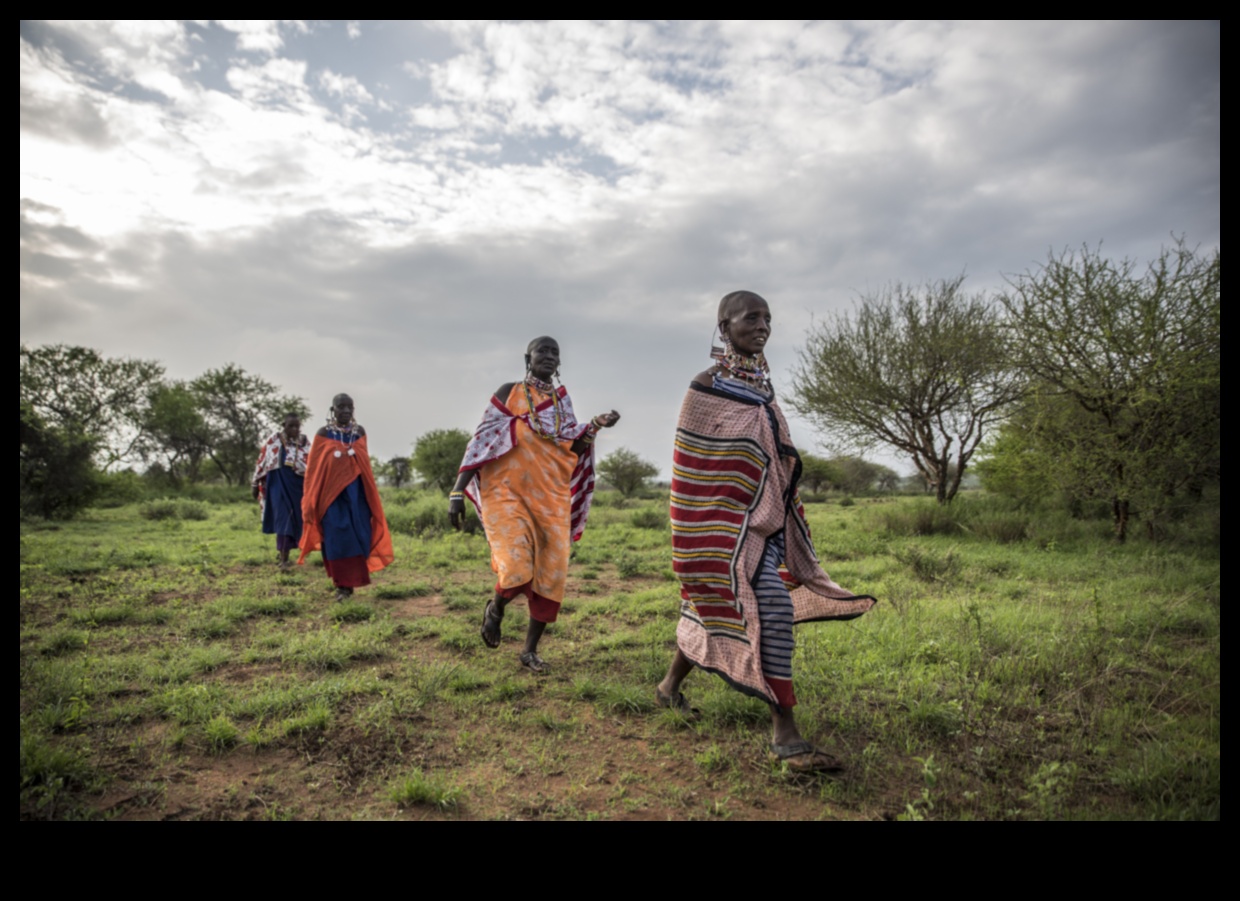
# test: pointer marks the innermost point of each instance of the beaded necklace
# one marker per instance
(535, 420)
(343, 431)
(751, 370)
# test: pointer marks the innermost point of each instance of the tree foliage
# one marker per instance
(924, 370)
(77, 391)
(818, 474)
(178, 439)
(625, 471)
(240, 410)
(125, 410)
(397, 471)
(57, 471)
(1126, 367)
(437, 457)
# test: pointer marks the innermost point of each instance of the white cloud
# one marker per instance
(345, 87)
(259, 35)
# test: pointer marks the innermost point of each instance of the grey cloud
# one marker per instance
(75, 119)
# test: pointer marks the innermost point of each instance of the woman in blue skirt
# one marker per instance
(278, 484)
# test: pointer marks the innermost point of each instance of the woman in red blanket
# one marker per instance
(740, 544)
(341, 508)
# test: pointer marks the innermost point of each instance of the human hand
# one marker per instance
(254, 491)
(607, 420)
(456, 513)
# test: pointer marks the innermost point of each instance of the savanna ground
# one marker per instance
(1017, 667)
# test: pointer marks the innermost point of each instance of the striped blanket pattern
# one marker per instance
(734, 474)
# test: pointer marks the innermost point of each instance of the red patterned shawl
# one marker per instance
(496, 435)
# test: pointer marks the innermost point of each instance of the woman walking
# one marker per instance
(341, 507)
(740, 544)
(278, 483)
(530, 472)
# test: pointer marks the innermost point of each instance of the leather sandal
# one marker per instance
(534, 663)
(491, 619)
(804, 757)
(677, 702)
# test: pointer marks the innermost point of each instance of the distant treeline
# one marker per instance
(1088, 382)
(84, 415)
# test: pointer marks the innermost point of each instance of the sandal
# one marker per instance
(343, 594)
(803, 757)
(677, 702)
(534, 663)
(491, 619)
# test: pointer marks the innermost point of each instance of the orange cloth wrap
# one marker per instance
(526, 508)
(326, 476)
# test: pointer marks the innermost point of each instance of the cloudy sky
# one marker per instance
(395, 209)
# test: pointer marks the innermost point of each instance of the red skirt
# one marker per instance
(348, 572)
(543, 610)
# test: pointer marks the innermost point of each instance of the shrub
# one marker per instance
(649, 518)
(120, 488)
(927, 565)
(628, 565)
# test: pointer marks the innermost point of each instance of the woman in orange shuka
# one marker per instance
(340, 507)
(530, 472)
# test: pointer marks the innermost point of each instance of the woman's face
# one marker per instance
(342, 409)
(749, 326)
(292, 428)
(545, 358)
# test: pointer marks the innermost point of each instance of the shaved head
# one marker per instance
(735, 301)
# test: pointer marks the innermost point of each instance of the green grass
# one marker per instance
(430, 791)
(1020, 665)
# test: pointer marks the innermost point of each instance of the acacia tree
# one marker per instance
(178, 438)
(397, 471)
(240, 410)
(626, 471)
(437, 456)
(925, 370)
(78, 391)
(1127, 366)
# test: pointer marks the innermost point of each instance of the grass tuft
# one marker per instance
(428, 791)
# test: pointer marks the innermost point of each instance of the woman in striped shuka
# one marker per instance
(740, 544)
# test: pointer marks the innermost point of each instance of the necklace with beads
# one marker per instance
(535, 420)
(752, 370)
(334, 429)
